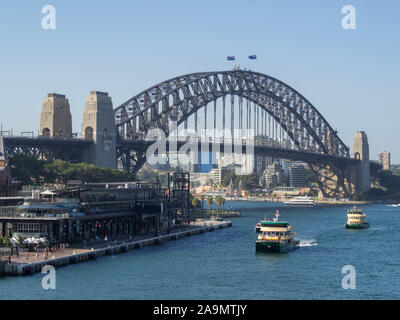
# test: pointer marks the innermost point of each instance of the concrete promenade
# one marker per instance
(30, 262)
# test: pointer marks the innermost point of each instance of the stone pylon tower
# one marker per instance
(55, 119)
(361, 152)
(99, 125)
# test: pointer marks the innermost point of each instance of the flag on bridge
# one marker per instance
(253, 57)
(231, 58)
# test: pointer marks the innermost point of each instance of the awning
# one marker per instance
(48, 193)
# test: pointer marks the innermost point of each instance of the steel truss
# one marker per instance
(179, 98)
(47, 149)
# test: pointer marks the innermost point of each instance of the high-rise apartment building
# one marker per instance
(297, 175)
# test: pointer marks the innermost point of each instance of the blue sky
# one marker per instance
(124, 47)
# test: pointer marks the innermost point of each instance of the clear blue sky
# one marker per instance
(123, 47)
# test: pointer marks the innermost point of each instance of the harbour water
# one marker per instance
(223, 264)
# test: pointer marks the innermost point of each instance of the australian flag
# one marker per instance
(253, 57)
(231, 58)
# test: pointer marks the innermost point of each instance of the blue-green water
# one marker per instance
(223, 264)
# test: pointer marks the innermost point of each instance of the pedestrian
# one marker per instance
(9, 259)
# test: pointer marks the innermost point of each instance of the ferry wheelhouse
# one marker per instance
(356, 219)
(275, 236)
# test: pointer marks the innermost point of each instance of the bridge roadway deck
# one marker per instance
(278, 152)
(42, 141)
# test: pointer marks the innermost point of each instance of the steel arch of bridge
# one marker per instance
(178, 98)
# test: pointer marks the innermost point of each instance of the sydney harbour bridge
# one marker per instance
(282, 122)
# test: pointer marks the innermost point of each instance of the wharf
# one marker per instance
(21, 267)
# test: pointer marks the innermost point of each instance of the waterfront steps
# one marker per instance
(22, 269)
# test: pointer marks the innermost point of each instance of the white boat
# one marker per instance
(301, 201)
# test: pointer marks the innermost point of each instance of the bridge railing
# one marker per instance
(31, 135)
(285, 144)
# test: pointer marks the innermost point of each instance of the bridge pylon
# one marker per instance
(98, 125)
(361, 152)
(56, 119)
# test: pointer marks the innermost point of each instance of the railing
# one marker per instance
(5, 251)
(52, 201)
(31, 134)
(283, 145)
(8, 212)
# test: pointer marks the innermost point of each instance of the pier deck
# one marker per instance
(30, 263)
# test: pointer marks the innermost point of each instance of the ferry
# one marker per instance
(275, 236)
(356, 219)
(301, 202)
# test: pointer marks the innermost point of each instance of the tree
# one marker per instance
(20, 240)
(249, 181)
(26, 169)
(223, 200)
(218, 201)
(29, 170)
(210, 202)
(202, 197)
(195, 202)
(6, 241)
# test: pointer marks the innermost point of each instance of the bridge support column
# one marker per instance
(361, 152)
(55, 119)
(99, 125)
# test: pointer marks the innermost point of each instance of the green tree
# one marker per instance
(6, 241)
(195, 202)
(223, 200)
(26, 169)
(218, 201)
(249, 181)
(202, 198)
(20, 240)
(210, 202)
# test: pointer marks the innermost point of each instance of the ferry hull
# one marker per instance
(357, 226)
(300, 204)
(275, 247)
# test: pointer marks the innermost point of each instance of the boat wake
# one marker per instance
(308, 243)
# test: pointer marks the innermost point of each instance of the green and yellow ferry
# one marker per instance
(275, 236)
(356, 219)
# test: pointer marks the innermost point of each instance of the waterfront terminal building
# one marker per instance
(93, 211)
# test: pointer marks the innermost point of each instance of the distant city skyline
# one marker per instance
(350, 76)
